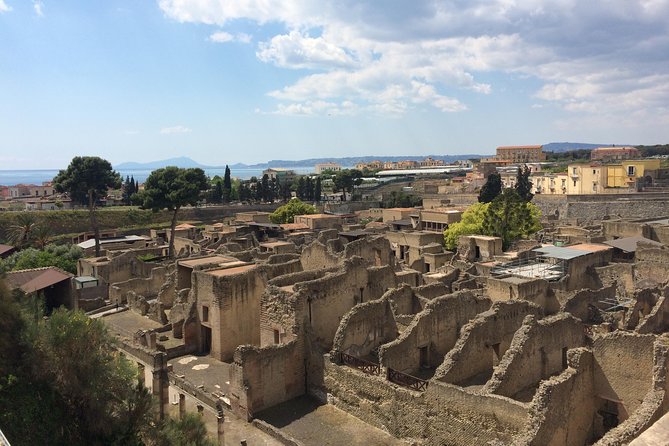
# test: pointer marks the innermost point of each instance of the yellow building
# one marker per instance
(627, 172)
(586, 179)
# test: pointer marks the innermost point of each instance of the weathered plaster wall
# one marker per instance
(365, 327)
(538, 350)
(483, 341)
(436, 328)
(147, 287)
(442, 415)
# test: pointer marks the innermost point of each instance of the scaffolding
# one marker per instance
(539, 267)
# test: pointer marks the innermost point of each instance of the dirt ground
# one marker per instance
(314, 424)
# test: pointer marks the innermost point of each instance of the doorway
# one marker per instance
(206, 340)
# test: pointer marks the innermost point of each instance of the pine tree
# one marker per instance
(491, 189)
(523, 184)
(317, 190)
(227, 185)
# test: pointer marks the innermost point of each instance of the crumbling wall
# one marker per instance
(263, 377)
(562, 410)
(442, 415)
(619, 274)
(365, 328)
(148, 287)
(317, 256)
(658, 319)
(272, 270)
(483, 342)
(329, 298)
(538, 350)
(432, 290)
(279, 310)
(379, 280)
(403, 300)
(375, 251)
(652, 264)
(585, 304)
(435, 329)
(645, 300)
(624, 369)
(233, 305)
(653, 405)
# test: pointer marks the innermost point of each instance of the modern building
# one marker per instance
(586, 178)
(627, 173)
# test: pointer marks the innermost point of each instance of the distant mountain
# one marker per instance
(567, 146)
(351, 160)
(182, 161)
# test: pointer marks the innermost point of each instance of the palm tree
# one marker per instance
(21, 233)
(42, 236)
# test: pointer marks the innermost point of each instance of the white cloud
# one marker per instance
(4, 7)
(175, 129)
(223, 37)
(38, 7)
(585, 56)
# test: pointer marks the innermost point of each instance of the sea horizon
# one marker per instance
(38, 176)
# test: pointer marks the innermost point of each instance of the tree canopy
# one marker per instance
(87, 180)
(508, 216)
(523, 184)
(491, 189)
(61, 256)
(287, 212)
(172, 188)
(471, 222)
(346, 180)
(511, 218)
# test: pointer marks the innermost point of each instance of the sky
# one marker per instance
(224, 81)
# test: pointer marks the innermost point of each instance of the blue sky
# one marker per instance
(252, 80)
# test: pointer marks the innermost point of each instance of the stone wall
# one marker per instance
(435, 329)
(263, 377)
(652, 264)
(147, 287)
(483, 342)
(443, 414)
(233, 305)
(317, 256)
(615, 378)
(538, 350)
(582, 302)
(562, 409)
(366, 327)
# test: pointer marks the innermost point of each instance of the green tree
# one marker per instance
(188, 431)
(172, 188)
(523, 184)
(287, 212)
(318, 190)
(511, 218)
(87, 180)
(61, 256)
(346, 180)
(227, 185)
(470, 223)
(22, 231)
(491, 189)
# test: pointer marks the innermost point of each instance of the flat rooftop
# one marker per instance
(191, 263)
(231, 271)
(275, 244)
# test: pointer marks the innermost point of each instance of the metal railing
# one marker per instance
(405, 380)
(366, 366)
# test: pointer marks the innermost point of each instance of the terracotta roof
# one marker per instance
(318, 216)
(31, 280)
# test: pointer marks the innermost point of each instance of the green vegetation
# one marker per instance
(491, 189)
(61, 256)
(508, 216)
(345, 180)
(87, 180)
(570, 155)
(287, 212)
(523, 184)
(171, 188)
(470, 223)
(398, 199)
(62, 382)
